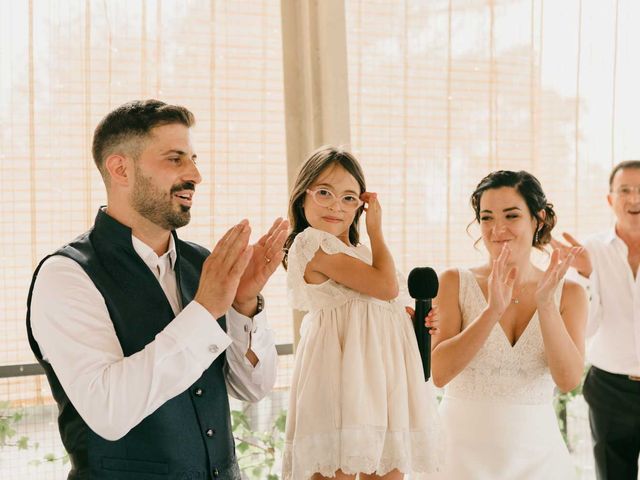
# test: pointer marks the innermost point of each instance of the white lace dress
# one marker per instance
(497, 413)
(358, 398)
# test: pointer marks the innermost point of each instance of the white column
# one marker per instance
(316, 85)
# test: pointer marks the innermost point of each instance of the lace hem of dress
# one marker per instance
(362, 451)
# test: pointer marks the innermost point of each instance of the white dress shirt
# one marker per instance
(113, 393)
(613, 328)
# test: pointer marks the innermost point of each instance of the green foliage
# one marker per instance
(9, 421)
(257, 451)
(560, 403)
(22, 443)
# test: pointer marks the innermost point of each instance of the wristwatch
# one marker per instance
(260, 305)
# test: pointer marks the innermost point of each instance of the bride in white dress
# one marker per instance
(509, 333)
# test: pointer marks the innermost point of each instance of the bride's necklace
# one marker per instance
(515, 298)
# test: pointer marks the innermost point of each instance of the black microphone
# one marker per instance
(423, 287)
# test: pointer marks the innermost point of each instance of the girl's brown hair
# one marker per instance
(317, 163)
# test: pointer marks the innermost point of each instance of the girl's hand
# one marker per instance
(431, 321)
(500, 283)
(581, 261)
(555, 272)
(374, 212)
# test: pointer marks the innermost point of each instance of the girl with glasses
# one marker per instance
(358, 401)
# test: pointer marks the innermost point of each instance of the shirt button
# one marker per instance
(198, 392)
(210, 432)
(215, 472)
(213, 348)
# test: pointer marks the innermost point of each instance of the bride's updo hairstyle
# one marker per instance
(529, 188)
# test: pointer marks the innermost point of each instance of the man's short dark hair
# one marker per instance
(621, 166)
(124, 129)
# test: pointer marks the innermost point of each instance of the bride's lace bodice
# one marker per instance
(499, 371)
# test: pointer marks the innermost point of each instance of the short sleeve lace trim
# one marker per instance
(304, 247)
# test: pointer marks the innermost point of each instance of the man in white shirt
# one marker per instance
(141, 334)
(612, 385)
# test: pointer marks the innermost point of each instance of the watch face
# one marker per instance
(260, 305)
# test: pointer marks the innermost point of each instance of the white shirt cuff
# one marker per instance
(195, 330)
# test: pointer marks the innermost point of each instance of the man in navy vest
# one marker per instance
(142, 335)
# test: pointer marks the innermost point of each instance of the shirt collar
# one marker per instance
(612, 238)
(611, 235)
(150, 257)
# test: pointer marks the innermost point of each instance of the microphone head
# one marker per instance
(423, 283)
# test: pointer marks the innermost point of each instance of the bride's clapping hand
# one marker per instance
(501, 279)
(555, 272)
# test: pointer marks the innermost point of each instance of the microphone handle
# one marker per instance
(423, 307)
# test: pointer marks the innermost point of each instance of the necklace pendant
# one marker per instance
(516, 301)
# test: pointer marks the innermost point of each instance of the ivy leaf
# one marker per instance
(49, 457)
(234, 419)
(239, 419)
(242, 447)
(273, 476)
(281, 421)
(17, 416)
(23, 443)
(257, 471)
(6, 431)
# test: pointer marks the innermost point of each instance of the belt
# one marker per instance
(633, 378)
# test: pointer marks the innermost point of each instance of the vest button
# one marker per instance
(215, 473)
(210, 432)
(198, 392)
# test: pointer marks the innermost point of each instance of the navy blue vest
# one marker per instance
(187, 438)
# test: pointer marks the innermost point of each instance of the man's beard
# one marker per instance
(157, 206)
